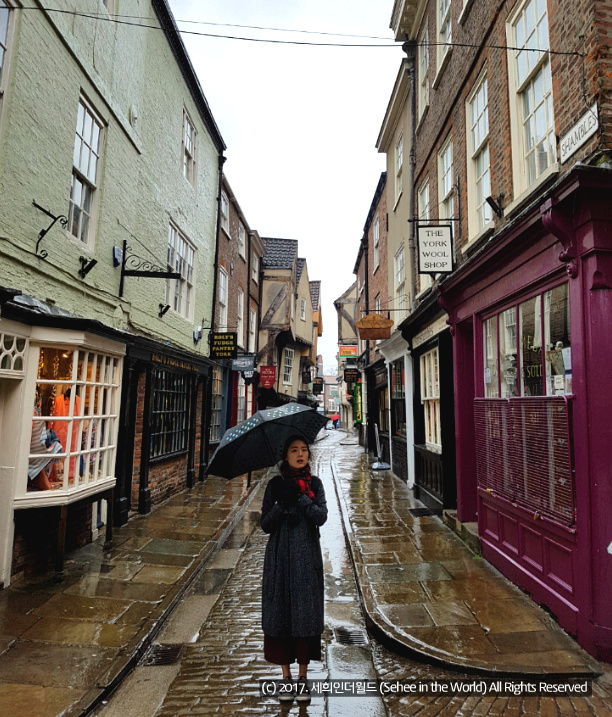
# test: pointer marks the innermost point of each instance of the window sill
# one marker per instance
(40, 499)
(552, 171)
(443, 64)
(227, 234)
(397, 201)
(482, 234)
(465, 11)
(167, 456)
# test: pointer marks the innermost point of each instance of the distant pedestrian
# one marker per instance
(294, 507)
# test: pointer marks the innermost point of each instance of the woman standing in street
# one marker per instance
(293, 509)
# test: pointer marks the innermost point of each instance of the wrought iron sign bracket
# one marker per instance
(63, 220)
(143, 268)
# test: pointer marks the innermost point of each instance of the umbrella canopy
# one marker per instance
(335, 417)
(258, 442)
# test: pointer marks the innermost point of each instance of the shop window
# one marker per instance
(383, 410)
(170, 414)
(430, 397)
(76, 407)
(216, 405)
(398, 398)
(534, 360)
(84, 186)
(241, 401)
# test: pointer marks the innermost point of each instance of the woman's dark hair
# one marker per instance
(288, 443)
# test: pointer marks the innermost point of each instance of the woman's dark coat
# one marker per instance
(292, 592)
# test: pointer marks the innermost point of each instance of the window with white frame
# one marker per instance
(222, 299)
(255, 267)
(74, 427)
(376, 243)
(85, 160)
(5, 27)
(430, 397)
(241, 400)
(423, 71)
(446, 195)
(169, 412)
(225, 220)
(216, 405)
(181, 258)
(425, 280)
(303, 309)
(399, 166)
(241, 240)
(288, 365)
(240, 317)
(252, 330)
(445, 29)
(400, 282)
(479, 172)
(532, 119)
(189, 148)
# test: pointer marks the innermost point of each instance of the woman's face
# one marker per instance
(298, 454)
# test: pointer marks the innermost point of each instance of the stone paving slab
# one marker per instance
(424, 591)
(64, 645)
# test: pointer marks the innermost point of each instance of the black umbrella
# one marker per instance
(258, 442)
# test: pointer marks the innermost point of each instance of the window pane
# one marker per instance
(508, 353)
(530, 317)
(557, 339)
(490, 358)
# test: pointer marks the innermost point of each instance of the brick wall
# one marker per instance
(35, 541)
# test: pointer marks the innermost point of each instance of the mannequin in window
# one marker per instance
(41, 442)
(61, 407)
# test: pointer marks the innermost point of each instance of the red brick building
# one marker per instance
(511, 109)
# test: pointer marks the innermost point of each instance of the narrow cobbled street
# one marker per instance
(216, 632)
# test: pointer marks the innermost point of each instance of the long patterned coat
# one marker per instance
(293, 590)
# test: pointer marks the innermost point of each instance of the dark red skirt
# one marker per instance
(287, 650)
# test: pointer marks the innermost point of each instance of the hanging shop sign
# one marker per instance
(317, 386)
(357, 413)
(267, 376)
(583, 130)
(374, 326)
(223, 346)
(348, 350)
(351, 374)
(435, 247)
(243, 363)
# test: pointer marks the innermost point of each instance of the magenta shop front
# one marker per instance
(531, 316)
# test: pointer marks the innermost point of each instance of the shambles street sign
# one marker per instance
(224, 346)
(435, 249)
(583, 130)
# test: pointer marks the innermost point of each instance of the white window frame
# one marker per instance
(225, 213)
(446, 178)
(189, 148)
(525, 71)
(5, 47)
(445, 30)
(240, 400)
(216, 409)
(399, 168)
(180, 293)
(222, 299)
(86, 160)
(479, 161)
(376, 243)
(423, 89)
(252, 330)
(399, 262)
(241, 240)
(255, 267)
(240, 317)
(423, 208)
(288, 365)
(303, 309)
(430, 397)
(110, 6)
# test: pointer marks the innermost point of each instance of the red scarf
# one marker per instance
(301, 476)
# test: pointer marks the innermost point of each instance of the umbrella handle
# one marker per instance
(249, 480)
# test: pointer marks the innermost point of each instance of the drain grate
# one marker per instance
(422, 512)
(348, 636)
(161, 655)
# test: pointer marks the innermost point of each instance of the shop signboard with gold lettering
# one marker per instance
(224, 345)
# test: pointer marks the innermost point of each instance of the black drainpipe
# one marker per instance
(409, 47)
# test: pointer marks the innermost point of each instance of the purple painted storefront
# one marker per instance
(531, 316)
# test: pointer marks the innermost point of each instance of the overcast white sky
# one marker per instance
(300, 123)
